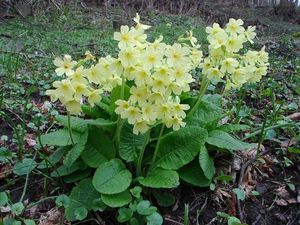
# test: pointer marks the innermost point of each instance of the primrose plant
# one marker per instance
(143, 130)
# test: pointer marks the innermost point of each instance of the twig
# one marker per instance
(173, 221)
(241, 178)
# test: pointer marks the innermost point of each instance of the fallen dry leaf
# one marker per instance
(5, 170)
(294, 116)
(288, 143)
(30, 140)
(53, 217)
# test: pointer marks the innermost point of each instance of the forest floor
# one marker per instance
(271, 183)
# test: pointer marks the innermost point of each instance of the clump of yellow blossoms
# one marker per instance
(224, 59)
(158, 73)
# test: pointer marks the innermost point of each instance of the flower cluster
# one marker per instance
(158, 73)
(224, 59)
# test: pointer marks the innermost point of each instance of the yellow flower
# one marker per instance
(177, 55)
(235, 26)
(250, 34)
(65, 65)
(159, 85)
(128, 57)
(239, 76)
(228, 65)
(73, 106)
(64, 90)
(78, 76)
(133, 114)
(141, 76)
(124, 37)
(178, 109)
(80, 89)
(94, 96)
(218, 40)
(234, 43)
(214, 30)
(214, 74)
(149, 113)
(251, 57)
(151, 58)
(140, 127)
(89, 56)
(163, 111)
(53, 95)
(94, 74)
(139, 95)
(122, 105)
(138, 24)
(175, 122)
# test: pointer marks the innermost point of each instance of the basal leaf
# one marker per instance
(112, 177)
(224, 140)
(60, 138)
(193, 174)
(207, 163)
(161, 178)
(82, 195)
(180, 147)
(75, 152)
(130, 144)
(77, 124)
(98, 149)
(117, 200)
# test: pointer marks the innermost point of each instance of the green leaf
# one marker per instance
(76, 150)
(64, 170)
(94, 112)
(80, 213)
(180, 147)
(207, 163)
(60, 138)
(53, 159)
(240, 194)
(78, 176)
(136, 192)
(76, 123)
(233, 127)
(115, 95)
(144, 208)
(124, 215)
(15, 222)
(3, 199)
(160, 178)
(130, 144)
(193, 174)
(154, 219)
(117, 200)
(103, 123)
(98, 149)
(224, 178)
(224, 140)
(112, 177)
(206, 113)
(164, 199)
(62, 200)
(17, 208)
(233, 221)
(29, 222)
(81, 195)
(24, 167)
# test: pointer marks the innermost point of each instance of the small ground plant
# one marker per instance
(143, 130)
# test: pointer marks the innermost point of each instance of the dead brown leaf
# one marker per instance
(294, 116)
(5, 171)
(53, 217)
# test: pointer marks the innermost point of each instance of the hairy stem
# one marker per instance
(203, 88)
(156, 147)
(140, 159)
(69, 128)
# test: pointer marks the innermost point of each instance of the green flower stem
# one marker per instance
(69, 128)
(203, 88)
(157, 147)
(119, 121)
(140, 159)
